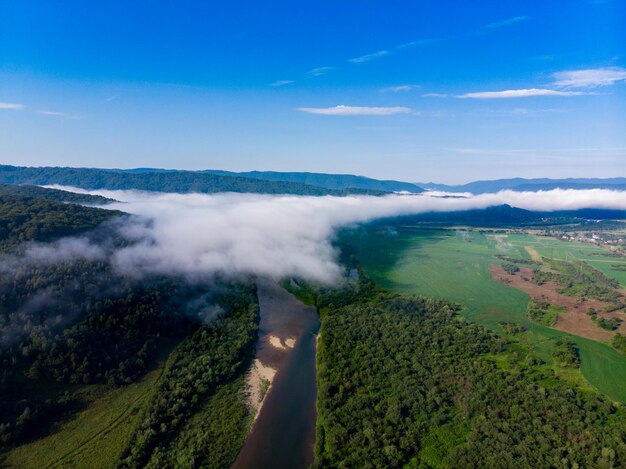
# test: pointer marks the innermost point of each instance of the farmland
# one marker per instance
(454, 264)
(553, 248)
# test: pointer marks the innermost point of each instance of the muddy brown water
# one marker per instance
(283, 435)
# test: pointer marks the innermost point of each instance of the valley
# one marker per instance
(283, 432)
(457, 265)
(312, 235)
(432, 344)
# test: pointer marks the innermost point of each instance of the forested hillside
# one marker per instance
(53, 194)
(209, 358)
(328, 181)
(162, 181)
(73, 327)
(404, 382)
(522, 184)
(509, 217)
(28, 218)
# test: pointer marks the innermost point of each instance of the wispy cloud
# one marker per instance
(368, 57)
(399, 88)
(14, 106)
(112, 98)
(319, 71)
(523, 93)
(282, 82)
(505, 22)
(563, 82)
(342, 110)
(56, 114)
(418, 42)
(590, 77)
(435, 95)
(52, 113)
(385, 52)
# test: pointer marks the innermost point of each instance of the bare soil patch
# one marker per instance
(575, 320)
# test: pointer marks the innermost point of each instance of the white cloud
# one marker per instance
(319, 71)
(395, 49)
(506, 22)
(399, 88)
(53, 113)
(13, 106)
(523, 93)
(586, 78)
(418, 42)
(282, 82)
(435, 95)
(368, 57)
(590, 77)
(342, 110)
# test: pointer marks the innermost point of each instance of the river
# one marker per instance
(283, 434)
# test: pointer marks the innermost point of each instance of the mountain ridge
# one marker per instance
(528, 184)
(179, 181)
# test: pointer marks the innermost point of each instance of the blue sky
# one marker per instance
(430, 90)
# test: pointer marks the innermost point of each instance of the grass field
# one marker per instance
(455, 265)
(96, 436)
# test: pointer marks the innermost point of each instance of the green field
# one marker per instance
(96, 436)
(455, 265)
(596, 256)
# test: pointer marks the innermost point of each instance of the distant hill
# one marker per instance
(328, 181)
(162, 181)
(491, 216)
(53, 194)
(532, 185)
(44, 216)
(505, 215)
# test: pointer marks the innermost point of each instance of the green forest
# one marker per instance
(53, 194)
(27, 218)
(75, 328)
(162, 181)
(405, 382)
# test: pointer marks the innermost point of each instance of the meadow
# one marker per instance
(455, 265)
(553, 248)
(96, 437)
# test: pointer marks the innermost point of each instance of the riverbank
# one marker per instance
(282, 383)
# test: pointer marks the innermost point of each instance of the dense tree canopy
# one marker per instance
(25, 218)
(53, 194)
(403, 381)
(71, 322)
(162, 181)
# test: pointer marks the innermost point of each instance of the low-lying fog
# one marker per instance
(226, 233)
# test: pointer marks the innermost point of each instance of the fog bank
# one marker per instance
(232, 234)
